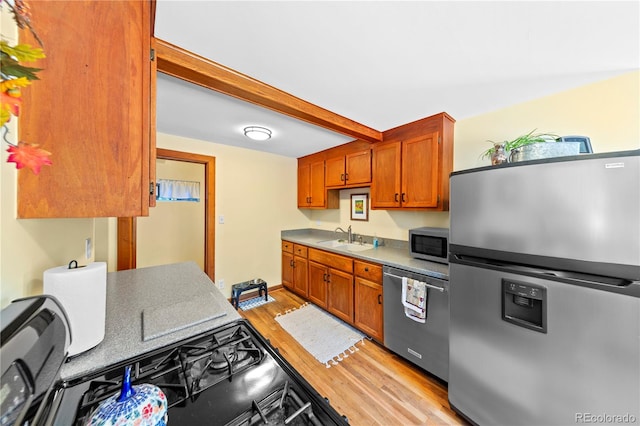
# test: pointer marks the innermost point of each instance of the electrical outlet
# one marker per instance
(87, 248)
(221, 284)
(221, 219)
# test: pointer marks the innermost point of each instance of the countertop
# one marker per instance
(393, 253)
(151, 293)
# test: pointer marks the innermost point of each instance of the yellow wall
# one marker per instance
(256, 193)
(608, 112)
(174, 230)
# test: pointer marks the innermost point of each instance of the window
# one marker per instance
(177, 190)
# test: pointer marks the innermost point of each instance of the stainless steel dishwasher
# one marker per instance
(426, 345)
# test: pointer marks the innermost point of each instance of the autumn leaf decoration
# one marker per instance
(16, 76)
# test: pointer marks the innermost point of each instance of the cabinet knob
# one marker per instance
(366, 269)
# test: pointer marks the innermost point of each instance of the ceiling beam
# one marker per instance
(188, 66)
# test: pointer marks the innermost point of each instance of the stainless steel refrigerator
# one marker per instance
(545, 291)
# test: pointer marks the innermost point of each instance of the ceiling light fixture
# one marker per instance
(257, 133)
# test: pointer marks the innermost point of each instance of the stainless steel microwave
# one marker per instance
(429, 244)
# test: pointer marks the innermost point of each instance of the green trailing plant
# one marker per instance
(519, 142)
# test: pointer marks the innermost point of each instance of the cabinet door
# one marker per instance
(385, 186)
(340, 295)
(318, 284)
(300, 275)
(358, 167)
(287, 270)
(91, 108)
(304, 184)
(316, 185)
(369, 308)
(420, 171)
(335, 172)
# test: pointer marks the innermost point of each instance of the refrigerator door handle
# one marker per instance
(576, 278)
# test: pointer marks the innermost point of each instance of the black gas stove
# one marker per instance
(230, 375)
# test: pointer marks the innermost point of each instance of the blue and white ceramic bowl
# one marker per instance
(140, 405)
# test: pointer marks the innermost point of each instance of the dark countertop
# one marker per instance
(178, 300)
(393, 253)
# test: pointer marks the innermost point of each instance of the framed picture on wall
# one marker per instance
(359, 207)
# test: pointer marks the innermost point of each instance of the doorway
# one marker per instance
(127, 227)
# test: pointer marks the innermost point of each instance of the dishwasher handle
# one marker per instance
(435, 287)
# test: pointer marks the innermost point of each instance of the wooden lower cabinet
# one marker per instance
(368, 296)
(340, 295)
(287, 270)
(294, 267)
(332, 290)
(318, 284)
(350, 289)
(300, 275)
(368, 309)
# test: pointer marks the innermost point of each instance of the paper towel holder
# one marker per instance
(76, 265)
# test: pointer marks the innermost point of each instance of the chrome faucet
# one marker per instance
(348, 232)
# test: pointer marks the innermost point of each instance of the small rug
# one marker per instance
(245, 305)
(324, 336)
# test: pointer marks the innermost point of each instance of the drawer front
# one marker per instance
(332, 260)
(300, 250)
(370, 271)
(287, 246)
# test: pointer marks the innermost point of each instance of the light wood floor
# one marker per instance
(373, 386)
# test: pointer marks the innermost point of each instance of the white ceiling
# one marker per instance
(386, 63)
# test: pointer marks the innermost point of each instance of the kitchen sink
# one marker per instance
(344, 245)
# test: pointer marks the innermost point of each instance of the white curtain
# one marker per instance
(178, 190)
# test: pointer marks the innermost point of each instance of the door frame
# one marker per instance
(127, 243)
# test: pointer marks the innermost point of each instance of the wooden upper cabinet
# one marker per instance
(92, 109)
(304, 185)
(386, 187)
(311, 192)
(420, 171)
(335, 171)
(411, 167)
(349, 170)
(406, 173)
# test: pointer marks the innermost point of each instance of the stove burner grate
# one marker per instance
(164, 372)
(284, 406)
(219, 357)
